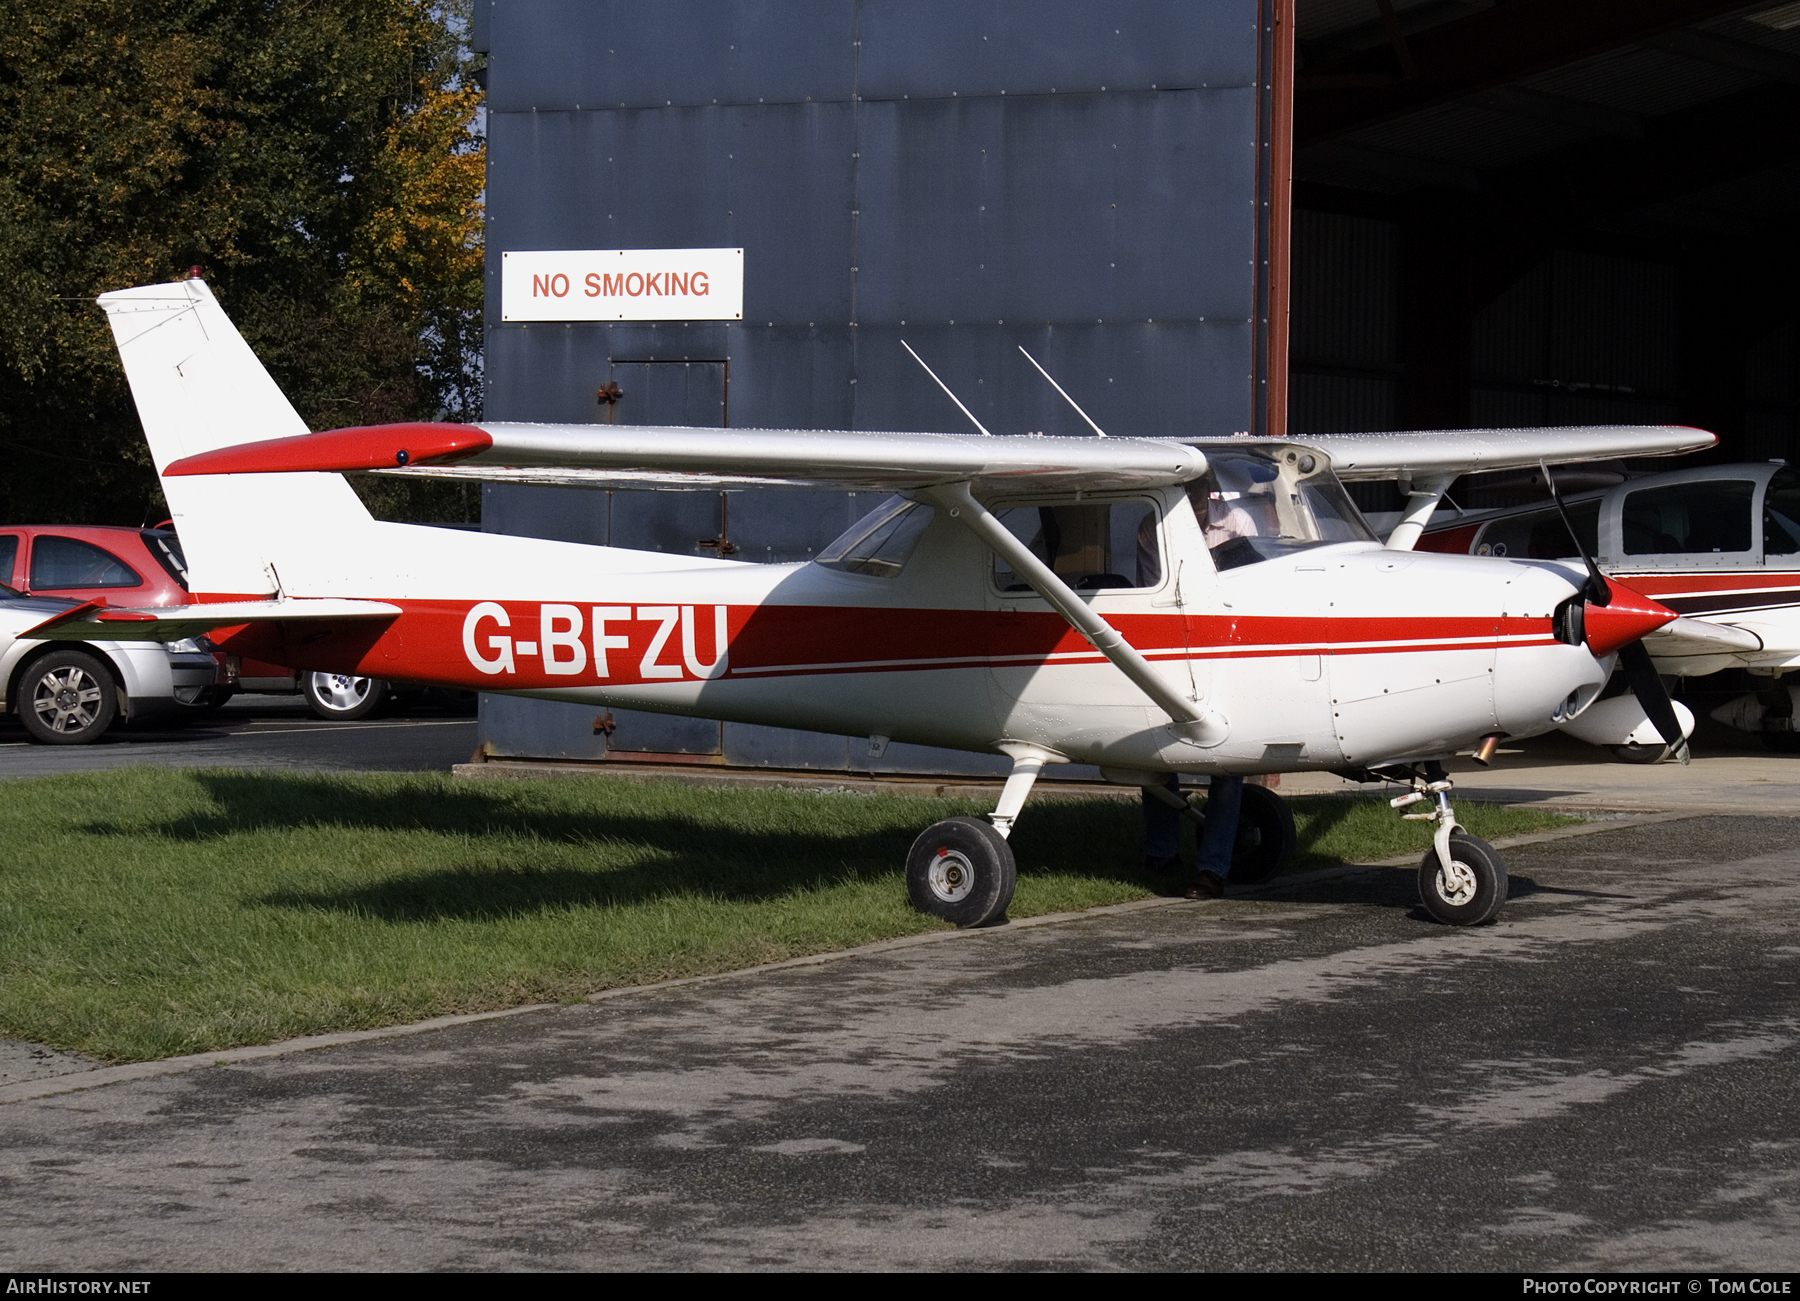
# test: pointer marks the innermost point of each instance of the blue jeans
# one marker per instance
(1162, 824)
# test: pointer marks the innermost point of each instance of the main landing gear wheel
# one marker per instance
(1471, 889)
(1265, 839)
(67, 698)
(343, 697)
(1640, 753)
(961, 870)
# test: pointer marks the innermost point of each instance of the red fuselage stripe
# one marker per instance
(533, 646)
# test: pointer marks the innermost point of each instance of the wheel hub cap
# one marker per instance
(1456, 885)
(952, 876)
(67, 700)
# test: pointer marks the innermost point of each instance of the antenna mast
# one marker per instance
(940, 383)
(1065, 397)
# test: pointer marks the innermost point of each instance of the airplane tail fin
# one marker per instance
(199, 387)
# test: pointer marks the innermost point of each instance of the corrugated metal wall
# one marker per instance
(1344, 341)
(1582, 339)
(970, 175)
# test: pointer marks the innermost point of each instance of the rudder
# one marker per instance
(198, 386)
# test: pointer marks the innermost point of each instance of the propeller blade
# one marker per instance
(1598, 592)
(1647, 686)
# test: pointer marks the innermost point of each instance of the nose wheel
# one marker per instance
(1467, 890)
(1462, 881)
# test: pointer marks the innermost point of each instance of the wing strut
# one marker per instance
(1422, 502)
(1192, 722)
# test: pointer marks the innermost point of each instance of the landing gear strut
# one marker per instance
(1462, 881)
(962, 869)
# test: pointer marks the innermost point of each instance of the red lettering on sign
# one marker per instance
(640, 284)
(701, 285)
(612, 285)
(540, 286)
(564, 290)
(650, 285)
(593, 285)
(678, 284)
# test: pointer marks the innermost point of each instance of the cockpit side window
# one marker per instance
(1253, 507)
(1708, 516)
(1090, 545)
(1781, 515)
(880, 543)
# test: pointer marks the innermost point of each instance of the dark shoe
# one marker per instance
(1208, 885)
(1167, 865)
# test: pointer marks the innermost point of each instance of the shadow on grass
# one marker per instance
(657, 851)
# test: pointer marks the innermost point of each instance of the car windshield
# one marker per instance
(1256, 505)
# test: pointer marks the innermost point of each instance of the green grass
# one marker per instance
(146, 913)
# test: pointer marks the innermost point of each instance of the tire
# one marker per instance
(962, 871)
(1473, 892)
(1639, 753)
(67, 698)
(343, 697)
(1266, 840)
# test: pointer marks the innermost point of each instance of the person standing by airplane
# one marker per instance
(1218, 837)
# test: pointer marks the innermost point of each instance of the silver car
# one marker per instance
(69, 693)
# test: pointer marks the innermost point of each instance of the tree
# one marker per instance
(318, 161)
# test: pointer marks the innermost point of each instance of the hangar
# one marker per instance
(1258, 215)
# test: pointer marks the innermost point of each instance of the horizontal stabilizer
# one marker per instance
(1700, 637)
(95, 621)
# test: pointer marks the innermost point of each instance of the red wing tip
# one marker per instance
(366, 447)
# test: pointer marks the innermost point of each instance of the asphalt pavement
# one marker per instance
(1321, 1079)
(258, 731)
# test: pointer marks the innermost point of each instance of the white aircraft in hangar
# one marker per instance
(1718, 544)
(1147, 605)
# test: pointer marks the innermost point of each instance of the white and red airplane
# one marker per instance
(1148, 605)
(1718, 544)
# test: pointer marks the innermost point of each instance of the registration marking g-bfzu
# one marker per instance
(565, 636)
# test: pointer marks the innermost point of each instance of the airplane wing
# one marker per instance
(97, 621)
(678, 456)
(1474, 451)
(650, 456)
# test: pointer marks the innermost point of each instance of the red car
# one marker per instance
(144, 567)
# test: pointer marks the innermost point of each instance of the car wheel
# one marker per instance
(67, 698)
(343, 697)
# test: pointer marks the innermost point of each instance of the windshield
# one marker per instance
(1257, 505)
(1542, 535)
(879, 543)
